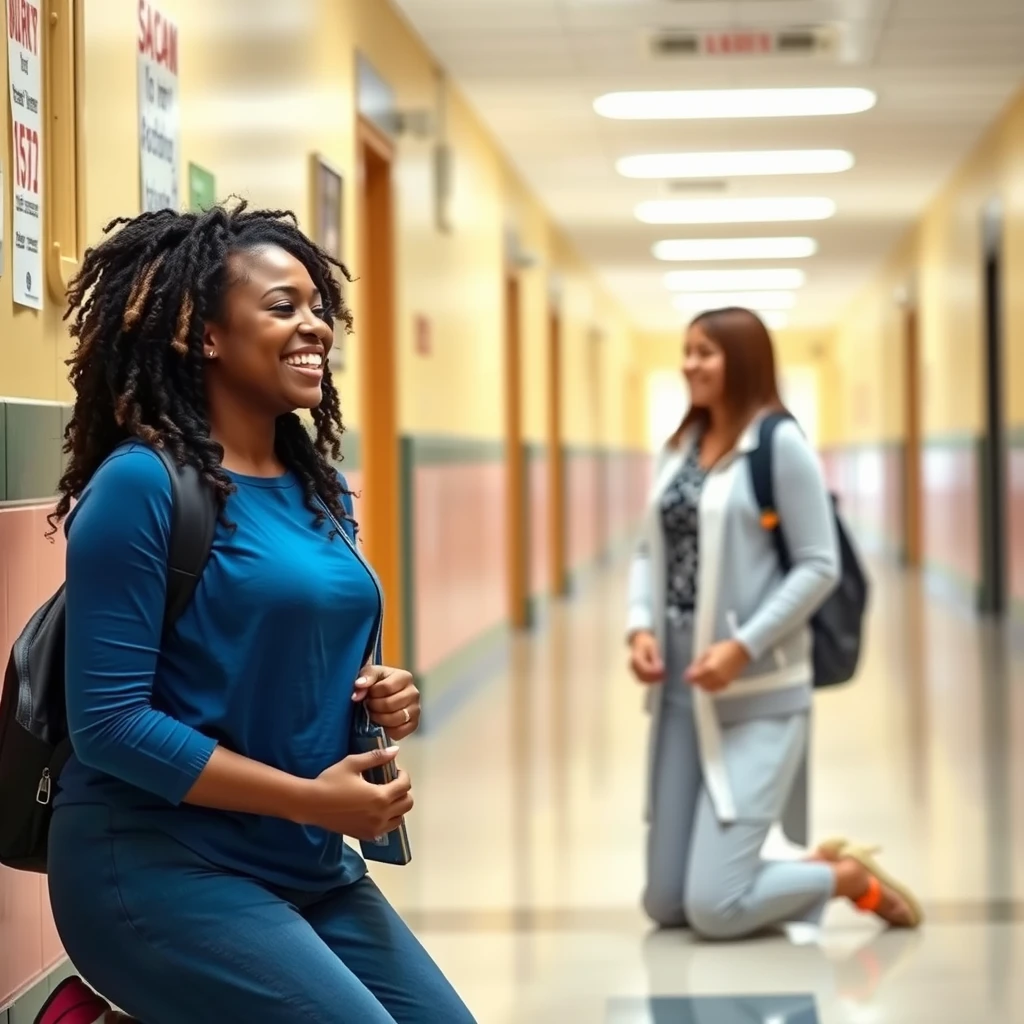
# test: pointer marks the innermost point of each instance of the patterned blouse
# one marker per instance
(680, 517)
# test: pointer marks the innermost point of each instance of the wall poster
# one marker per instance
(159, 97)
(24, 55)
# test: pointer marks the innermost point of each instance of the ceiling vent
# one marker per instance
(699, 185)
(808, 42)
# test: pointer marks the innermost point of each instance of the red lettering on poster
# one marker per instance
(158, 38)
(23, 24)
(26, 153)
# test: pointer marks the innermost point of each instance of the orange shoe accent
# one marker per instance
(872, 899)
(865, 857)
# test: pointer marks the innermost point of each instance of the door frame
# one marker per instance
(557, 524)
(913, 525)
(993, 596)
(516, 510)
(596, 352)
(382, 499)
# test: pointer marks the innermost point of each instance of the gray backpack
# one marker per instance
(838, 626)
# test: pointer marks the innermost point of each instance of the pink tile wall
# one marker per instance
(460, 564)
(638, 481)
(616, 496)
(583, 492)
(31, 568)
(1015, 520)
(628, 483)
(869, 483)
(951, 538)
(540, 540)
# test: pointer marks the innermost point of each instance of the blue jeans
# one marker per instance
(171, 939)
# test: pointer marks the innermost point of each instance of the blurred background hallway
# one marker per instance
(537, 781)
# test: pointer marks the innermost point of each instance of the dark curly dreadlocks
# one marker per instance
(139, 304)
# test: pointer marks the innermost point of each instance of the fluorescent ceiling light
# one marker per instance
(733, 211)
(735, 165)
(696, 301)
(699, 250)
(734, 280)
(714, 104)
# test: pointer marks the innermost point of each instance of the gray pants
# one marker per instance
(708, 875)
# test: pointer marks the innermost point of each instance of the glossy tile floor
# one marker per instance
(528, 839)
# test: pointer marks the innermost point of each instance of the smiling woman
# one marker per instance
(197, 840)
(266, 349)
(182, 322)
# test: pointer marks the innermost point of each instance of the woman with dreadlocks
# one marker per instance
(197, 868)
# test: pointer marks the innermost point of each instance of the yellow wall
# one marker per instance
(264, 84)
(29, 356)
(524, 216)
(941, 262)
(600, 360)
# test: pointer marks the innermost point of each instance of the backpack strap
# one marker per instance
(193, 522)
(762, 479)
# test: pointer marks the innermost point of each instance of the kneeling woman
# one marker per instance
(722, 632)
(197, 865)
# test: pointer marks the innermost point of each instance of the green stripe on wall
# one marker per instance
(31, 442)
(434, 450)
(3, 452)
(861, 446)
(32, 437)
(952, 439)
(351, 451)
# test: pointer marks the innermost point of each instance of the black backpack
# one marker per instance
(34, 742)
(838, 626)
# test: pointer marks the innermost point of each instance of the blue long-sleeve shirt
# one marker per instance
(263, 661)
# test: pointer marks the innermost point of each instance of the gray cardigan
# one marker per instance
(742, 592)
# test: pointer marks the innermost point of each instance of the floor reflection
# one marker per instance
(842, 974)
(529, 834)
(797, 1009)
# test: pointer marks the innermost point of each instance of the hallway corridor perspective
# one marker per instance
(528, 841)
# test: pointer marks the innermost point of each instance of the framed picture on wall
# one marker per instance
(327, 188)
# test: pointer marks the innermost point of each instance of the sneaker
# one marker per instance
(73, 1002)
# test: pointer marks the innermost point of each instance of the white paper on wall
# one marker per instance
(25, 32)
(159, 95)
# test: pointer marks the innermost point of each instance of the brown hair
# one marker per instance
(750, 382)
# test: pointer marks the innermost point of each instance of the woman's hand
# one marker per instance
(718, 666)
(392, 698)
(342, 801)
(645, 658)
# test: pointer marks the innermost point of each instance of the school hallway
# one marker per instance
(528, 842)
(539, 203)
